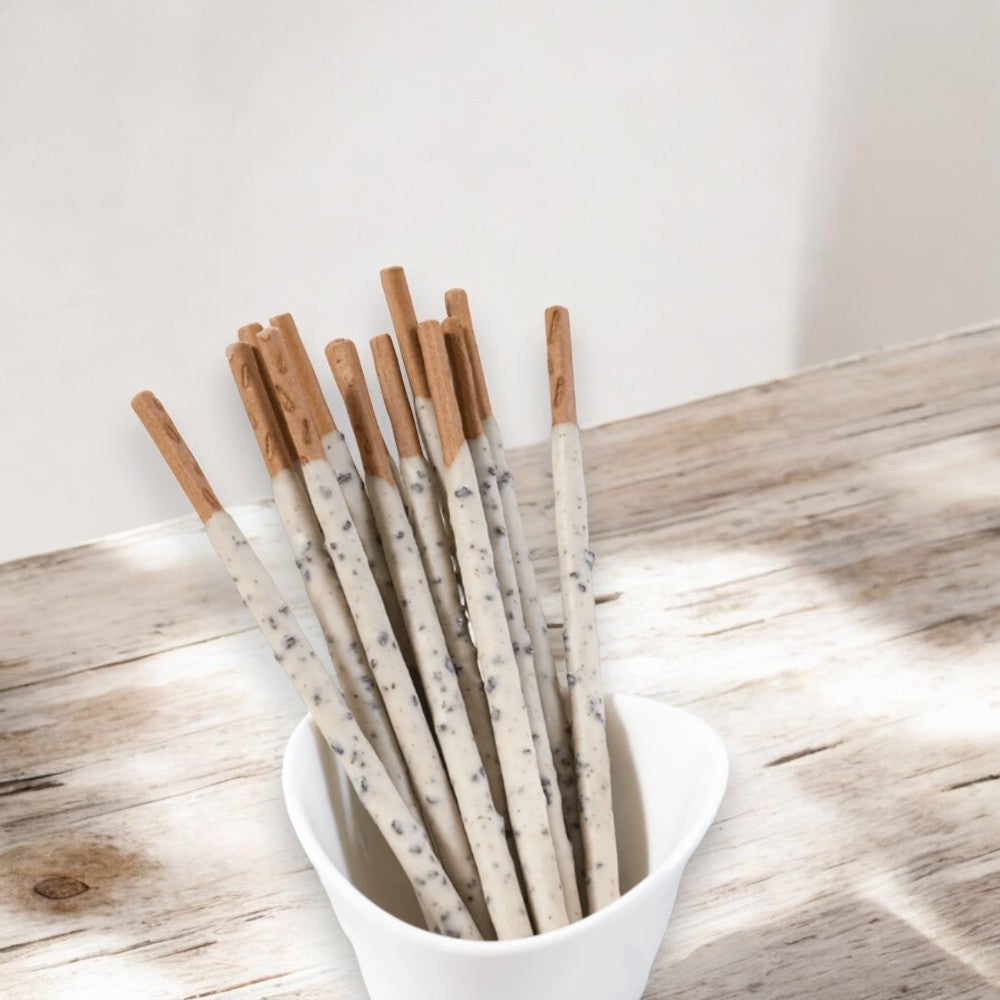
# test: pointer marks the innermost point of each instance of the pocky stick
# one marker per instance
(552, 697)
(503, 562)
(427, 773)
(526, 800)
(426, 516)
(403, 832)
(322, 586)
(483, 824)
(583, 665)
(248, 335)
(404, 323)
(338, 454)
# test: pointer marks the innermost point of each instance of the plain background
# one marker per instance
(720, 192)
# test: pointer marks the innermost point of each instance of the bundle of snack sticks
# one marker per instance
(486, 772)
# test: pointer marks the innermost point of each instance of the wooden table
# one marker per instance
(810, 565)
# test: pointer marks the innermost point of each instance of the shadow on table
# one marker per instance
(848, 948)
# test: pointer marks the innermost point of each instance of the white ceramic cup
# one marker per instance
(668, 772)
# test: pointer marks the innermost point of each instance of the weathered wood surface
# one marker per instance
(810, 565)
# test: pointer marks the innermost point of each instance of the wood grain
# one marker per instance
(809, 565)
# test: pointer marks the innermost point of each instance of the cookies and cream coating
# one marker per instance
(435, 553)
(576, 584)
(427, 772)
(418, 489)
(334, 616)
(550, 691)
(423, 409)
(484, 825)
(338, 454)
(311, 558)
(391, 673)
(482, 460)
(526, 801)
(438, 674)
(296, 357)
(583, 668)
(522, 646)
(552, 696)
(404, 833)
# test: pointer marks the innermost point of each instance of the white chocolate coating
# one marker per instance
(552, 697)
(526, 800)
(334, 616)
(483, 824)
(583, 668)
(435, 552)
(503, 562)
(397, 479)
(427, 772)
(403, 832)
(426, 419)
(338, 454)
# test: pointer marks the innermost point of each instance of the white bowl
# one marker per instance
(668, 772)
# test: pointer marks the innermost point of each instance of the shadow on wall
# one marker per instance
(901, 239)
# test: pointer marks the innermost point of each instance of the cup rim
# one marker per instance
(419, 936)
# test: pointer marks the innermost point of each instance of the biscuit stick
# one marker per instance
(403, 832)
(583, 665)
(248, 335)
(322, 586)
(339, 456)
(427, 773)
(421, 494)
(503, 562)
(552, 697)
(526, 801)
(483, 824)
(404, 323)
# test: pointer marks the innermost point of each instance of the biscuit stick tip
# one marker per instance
(265, 423)
(305, 373)
(442, 390)
(176, 454)
(562, 389)
(248, 334)
(289, 395)
(345, 364)
(457, 305)
(397, 404)
(461, 369)
(404, 322)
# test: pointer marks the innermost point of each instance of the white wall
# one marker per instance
(720, 192)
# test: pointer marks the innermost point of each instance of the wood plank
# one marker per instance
(808, 565)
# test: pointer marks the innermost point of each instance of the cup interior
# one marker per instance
(668, 773)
